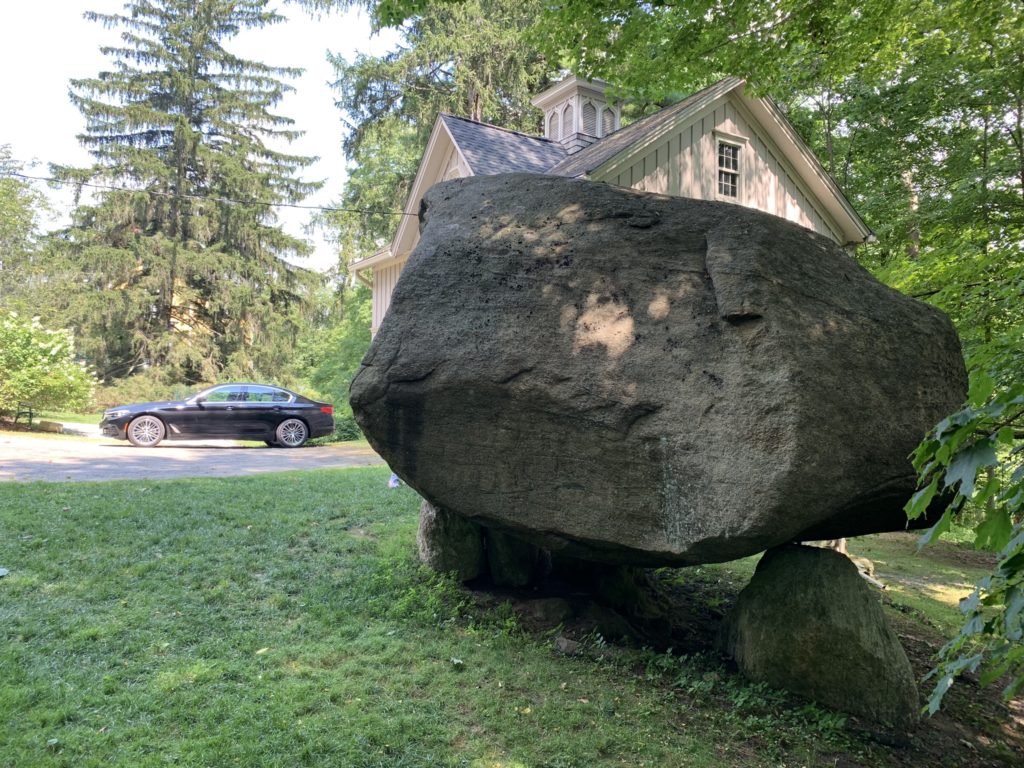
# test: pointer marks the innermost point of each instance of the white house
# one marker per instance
(718, 144)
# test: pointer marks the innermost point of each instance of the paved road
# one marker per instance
(59, 459)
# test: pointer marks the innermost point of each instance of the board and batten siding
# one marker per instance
(384, 280)
(685, 164)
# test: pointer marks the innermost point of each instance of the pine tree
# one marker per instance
(476, 59)
(180, 265)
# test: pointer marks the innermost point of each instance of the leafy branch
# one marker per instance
(976, 455)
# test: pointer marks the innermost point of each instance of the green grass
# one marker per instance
(77, 418)
(930, 581)
(284, 621)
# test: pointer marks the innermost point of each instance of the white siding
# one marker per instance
(384, 280)
(685, 164)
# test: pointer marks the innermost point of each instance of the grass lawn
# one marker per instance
(76, 418)
(284, 621)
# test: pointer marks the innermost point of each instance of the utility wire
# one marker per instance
(228, 200)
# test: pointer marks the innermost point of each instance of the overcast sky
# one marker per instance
(47, 42)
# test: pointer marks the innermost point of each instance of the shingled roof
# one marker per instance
(490, 150)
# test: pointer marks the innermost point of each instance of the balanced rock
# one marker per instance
(640, 379)
(808, 622)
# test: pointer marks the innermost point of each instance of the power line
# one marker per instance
(187, 196)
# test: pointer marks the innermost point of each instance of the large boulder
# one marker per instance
(808, 622)
(642, 379)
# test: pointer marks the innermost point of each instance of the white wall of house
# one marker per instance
(385, 278)
(685, 164)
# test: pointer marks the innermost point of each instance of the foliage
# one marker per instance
(331, 351)
(181, 267)
(949, 132)
(20, 208)
(977, 456)
(476, 59)
(38, 366)
(148, 386)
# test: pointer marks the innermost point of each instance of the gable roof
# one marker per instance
(777, 129)
(490, 150)
(603, 150)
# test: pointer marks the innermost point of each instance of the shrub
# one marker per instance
(149, 386)
(38, 366)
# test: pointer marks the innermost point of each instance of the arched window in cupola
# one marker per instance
(553, 132)
(607, 121)
(568, 126)
(589, 117)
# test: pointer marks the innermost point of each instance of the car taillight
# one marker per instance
(328, 409)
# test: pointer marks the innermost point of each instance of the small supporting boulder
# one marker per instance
(449, 542)
(808, 623)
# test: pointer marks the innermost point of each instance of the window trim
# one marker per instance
(740, 143)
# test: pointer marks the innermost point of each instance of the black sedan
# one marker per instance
(238, 411)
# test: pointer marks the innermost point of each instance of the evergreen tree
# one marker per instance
(178, 263)
(20, 208)
(475, 59)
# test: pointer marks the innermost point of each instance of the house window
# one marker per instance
(728, 169)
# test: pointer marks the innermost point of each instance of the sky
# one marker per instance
(47, 43)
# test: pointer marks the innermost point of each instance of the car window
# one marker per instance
(225, 395)
(267, 395)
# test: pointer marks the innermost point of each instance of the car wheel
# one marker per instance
(291, 433)
(146, 431)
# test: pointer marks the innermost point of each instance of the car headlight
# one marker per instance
(117, 413)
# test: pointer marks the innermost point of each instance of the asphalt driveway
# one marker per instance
(62, 459)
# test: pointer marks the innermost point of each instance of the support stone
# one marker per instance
(448, 542)
(808, 623)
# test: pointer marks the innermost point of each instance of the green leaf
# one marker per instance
(1005, 436)
(935, 700)
(1014, 606)
(993, 533)
(935, 532)
(919, 502)
(970, 603)
(965, 465)
(981, 388)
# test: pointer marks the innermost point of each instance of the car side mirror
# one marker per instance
(199, 400)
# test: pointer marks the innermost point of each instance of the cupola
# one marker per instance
(577, 113)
